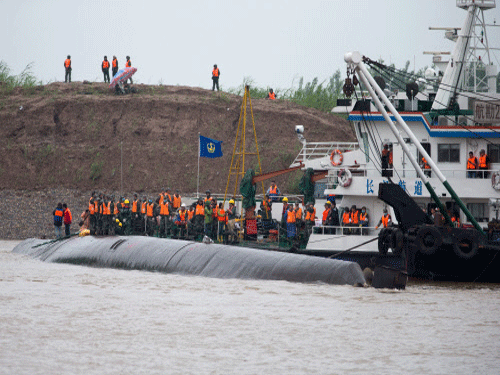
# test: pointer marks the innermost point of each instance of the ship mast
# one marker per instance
(465, 59)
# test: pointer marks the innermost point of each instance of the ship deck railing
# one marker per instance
(332, 180)
(346, 230)
(315, 150)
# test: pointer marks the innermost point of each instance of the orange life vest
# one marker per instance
(385, 220)
(115, 63)
(273, 190)
(106, 208)
(215, 72)
(272, 95)
(355, 217)
(128, 64)
(221, 214)
(290, 217)
(482, 162)
(149, 211)
(134, 207)
(362, 216)
(115, 211)
(143, 207)
(298, 214)
(176, 203)
(182, 215)
(345, 218)
(471, 163)
(200, 209)
(164, 209)
(105, 64)
(96, 207)
(311, 216)
(91, 207)
(190, 214)
(67, 63)
(325, 214)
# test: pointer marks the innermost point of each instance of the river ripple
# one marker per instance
(66, 319)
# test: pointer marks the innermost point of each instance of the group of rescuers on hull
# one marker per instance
(105, 65)
(476, 167)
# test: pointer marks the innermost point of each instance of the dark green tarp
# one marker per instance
(306, 186)
(247, 190)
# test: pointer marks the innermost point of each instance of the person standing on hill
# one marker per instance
(215, 77)
(114, 65)
(105, 69)
(58, 214)
(67, 68)
(68, 218)
(128, 64)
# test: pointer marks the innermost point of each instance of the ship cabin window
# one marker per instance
(494, 153)
(421, 160)
(479, 211)
(449, 153)
(386, 159)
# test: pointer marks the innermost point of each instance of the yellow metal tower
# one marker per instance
(237, 168)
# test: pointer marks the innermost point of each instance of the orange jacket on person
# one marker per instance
(325, 215)
(215, 72)
(176, 202)
(67, 63)
(311, 216)
(105, 64)
(68, 218)
(164, 209)
(472, 163)
(149, 210)
(354, 217)
(346, 218)
(298, 214)
(482, 162)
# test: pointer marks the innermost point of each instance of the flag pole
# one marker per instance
(198, 179)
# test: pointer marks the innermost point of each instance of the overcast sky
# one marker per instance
(177, 42)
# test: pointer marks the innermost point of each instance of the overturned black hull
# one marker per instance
(192, 258)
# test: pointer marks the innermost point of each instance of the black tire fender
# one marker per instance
(428, 240)
(465, 246)
(397, 241)
(383, 246)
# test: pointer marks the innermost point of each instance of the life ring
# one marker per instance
(495, 181)
(340, 158)
(397, 241)
(345, 177)
(428, 240)
(465, 246)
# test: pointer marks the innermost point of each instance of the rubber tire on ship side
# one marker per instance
(397, 241)
(470, 245)
(383, 246)
(428, 240)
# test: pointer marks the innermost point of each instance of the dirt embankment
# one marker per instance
(70, 139)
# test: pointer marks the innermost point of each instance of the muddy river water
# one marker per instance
(66, 319)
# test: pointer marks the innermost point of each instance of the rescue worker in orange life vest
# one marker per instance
(472, 165)
(105, 69)
(484, 164)
(114, 65)
(271, 95)
(128, 64)
(273, 191)
(67, 68)
(215, 77)
(385, 220)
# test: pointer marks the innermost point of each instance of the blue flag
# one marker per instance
(210, 148)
